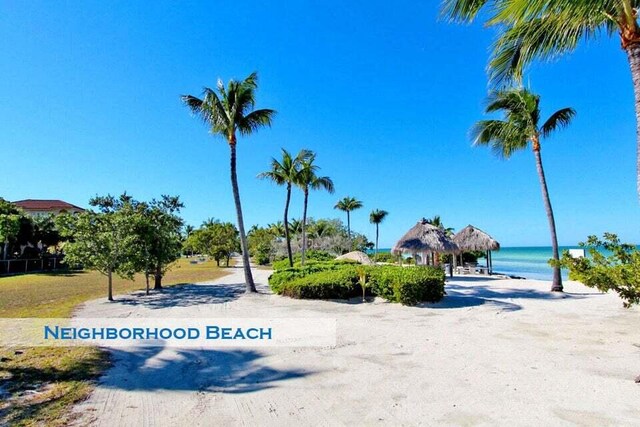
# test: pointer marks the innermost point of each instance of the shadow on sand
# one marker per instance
(221, 371)
(459, 296)
(185, 295)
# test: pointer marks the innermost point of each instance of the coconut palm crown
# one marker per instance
(522, 126)
(286, 172)
(376, 217)
(546, 29)
(228, 111)
(347, 205)
(309, 180)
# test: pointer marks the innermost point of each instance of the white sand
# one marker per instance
(492, 352)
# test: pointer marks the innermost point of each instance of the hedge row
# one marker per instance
(333, 280)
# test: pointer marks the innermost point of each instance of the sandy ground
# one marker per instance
(493, 352)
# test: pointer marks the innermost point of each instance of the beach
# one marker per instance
(492, 352)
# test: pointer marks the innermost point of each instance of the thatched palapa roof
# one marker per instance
(424, 237)
(471, 238)
(358, 256)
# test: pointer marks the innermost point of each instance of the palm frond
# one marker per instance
(560, 119)
(255, 120)
(462, 10)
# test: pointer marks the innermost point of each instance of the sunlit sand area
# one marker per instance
(493, 351)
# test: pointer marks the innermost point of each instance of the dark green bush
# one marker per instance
(331, 284)
(334, 280)
(407, 285)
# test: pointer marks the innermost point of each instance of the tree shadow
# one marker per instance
(223, 371)
(184, 295)
(460, 296)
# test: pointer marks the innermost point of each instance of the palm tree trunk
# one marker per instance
(286, 225)
(377, 234)
(248, 277)
(633, 53)
(304, 225)
(349, 231)
(556, 285)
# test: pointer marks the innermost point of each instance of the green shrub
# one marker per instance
(331, 284)
(384, 257)
(407, 285)
(310, 256)
(335, 279)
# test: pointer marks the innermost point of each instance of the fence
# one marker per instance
(16, 266)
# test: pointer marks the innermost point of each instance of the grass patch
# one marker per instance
(57, 294)
(39, 385)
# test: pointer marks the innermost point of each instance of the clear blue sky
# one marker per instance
(384, 93)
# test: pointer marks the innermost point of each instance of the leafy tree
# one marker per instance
(45, 232)
(309, 180)
(10, 221)
(286, 172)
(260, 241)
(105, 240)
(611, 265)
(228, 111)
(217, 240)
(347, 205)
(158, 229)
(521, 126)
(546, 29)
(376, 217)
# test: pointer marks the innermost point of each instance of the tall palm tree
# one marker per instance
(309, 180)
(347, 205)
(521, 126)
(545, 29)
(285, 172)
(376, 217)
(229, 111)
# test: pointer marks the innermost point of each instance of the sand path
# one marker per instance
(492, 352)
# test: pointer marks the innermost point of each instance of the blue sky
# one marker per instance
(384, 93)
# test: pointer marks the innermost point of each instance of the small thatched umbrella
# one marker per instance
(471, 238)
(424, 238)
(358, 256)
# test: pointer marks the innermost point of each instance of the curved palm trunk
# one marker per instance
(248, 277)
(556, 285)
(633, 54)
(304, 225)
(286, 225)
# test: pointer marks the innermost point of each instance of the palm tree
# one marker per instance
(307, 179)
(229, 111)
(277, 229)
(376, 217)
(285, 172)
(545, 29)
(347, 205)
(521, 109)
(436, 221)
(295, 226)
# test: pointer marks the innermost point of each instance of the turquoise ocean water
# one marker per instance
(528, 262)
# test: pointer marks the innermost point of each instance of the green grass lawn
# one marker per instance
(39, 385)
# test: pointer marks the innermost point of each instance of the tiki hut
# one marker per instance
(358, 256)
(425, 239)
(471, 238)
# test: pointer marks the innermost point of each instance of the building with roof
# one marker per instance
(37, 207)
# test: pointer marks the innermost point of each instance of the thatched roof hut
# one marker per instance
(471, 238)
(424, 237)
(358, 256)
